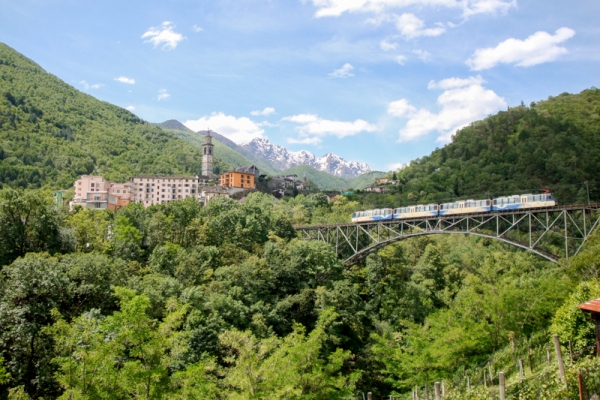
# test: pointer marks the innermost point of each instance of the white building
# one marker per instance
(155, 189)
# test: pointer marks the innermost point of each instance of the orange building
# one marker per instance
(238, 179)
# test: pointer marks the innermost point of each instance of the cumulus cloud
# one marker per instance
(240, 130)
(312, 128)
(163, 36)
(196, 28)
(387, 46)
(400, 59)
(130, 108)
(462, 102)
(344, 72)
(451, 83)
(335, 8)
(126, 80)
(87, 86)
(163, 95)
(396, 166)
(266, 111)
(538, 48)
(410, 27)
(423, 55)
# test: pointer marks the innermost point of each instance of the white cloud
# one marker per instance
(312, 128)
(124, 79)
(538, 48)
(401, 108)
(130, 108)
(396, 166)
(464, 101)
(240, 130)
(196, 28)
(335, 8)
(266, 111)
(401, 59)
(343, 72)
(163, 95)
(87, 86)
(387, 46)
(410, 26)
(452, 83)
(423, 55)
(164, 36)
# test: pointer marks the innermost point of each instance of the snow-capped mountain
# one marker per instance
(283, 158)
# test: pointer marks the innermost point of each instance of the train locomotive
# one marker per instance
(499, 204)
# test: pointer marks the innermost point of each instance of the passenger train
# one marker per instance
(507, 203)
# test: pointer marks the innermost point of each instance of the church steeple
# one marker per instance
(207, 156)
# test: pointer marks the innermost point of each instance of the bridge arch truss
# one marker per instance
(550, 233)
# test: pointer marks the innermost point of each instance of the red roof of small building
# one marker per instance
(592, 305)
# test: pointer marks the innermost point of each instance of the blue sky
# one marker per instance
(377, 81)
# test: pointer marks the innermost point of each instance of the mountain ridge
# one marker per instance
(284, 159)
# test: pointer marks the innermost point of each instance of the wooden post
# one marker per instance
(491, 374)
(548, 356)
(443, 389)
(369, 396)
(571, 352)
(559, 360)
(426, 391)
(580, 384)
(501, 382)
(521, 369)
(484, 378)
(438, 395)
(468, 384)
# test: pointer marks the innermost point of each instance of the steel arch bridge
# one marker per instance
(551, 232)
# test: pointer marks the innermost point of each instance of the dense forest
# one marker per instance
(51, 133)
(223, 301)
(553, 145)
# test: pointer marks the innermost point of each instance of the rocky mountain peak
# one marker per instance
(283, 159)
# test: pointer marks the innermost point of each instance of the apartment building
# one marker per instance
(94, 192)
(154, 189)
(238, 180)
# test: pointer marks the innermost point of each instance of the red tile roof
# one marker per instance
(592, 305)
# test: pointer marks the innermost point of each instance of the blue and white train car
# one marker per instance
(465, 207)
(518, 202)
(373, 215)
(428, 210)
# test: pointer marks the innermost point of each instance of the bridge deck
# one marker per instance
(538, 230)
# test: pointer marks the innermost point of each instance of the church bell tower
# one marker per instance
(207, 156)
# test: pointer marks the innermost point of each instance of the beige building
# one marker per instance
(94, 192)
(155, 189)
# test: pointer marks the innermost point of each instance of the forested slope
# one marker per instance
(554, 144)
(50, 133)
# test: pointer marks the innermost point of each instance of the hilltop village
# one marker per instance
(95, 192)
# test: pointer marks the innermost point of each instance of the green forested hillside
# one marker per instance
(50, 133)
(554, 144)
